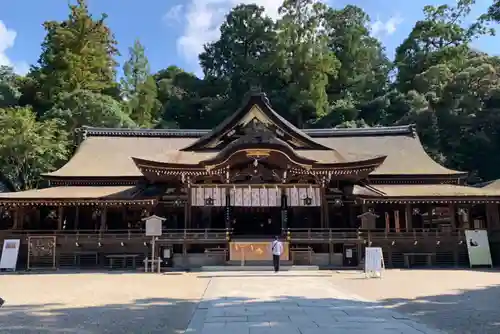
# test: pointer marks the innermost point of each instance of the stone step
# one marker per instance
(258, 263)
(258, 268)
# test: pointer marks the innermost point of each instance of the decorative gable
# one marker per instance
(255, 118)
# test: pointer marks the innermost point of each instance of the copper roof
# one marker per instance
(109, 152)
(429, 190)
(94, 194)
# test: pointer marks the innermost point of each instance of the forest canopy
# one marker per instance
(320, 67)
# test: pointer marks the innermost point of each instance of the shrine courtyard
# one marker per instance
(306, 302)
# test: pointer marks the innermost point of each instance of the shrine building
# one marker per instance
(225, 192)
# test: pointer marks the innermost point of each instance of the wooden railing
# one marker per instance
(298, 234)
(91, 235)
(365, 234)
(77, 235)
(208, 234)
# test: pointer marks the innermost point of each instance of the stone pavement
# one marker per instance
(290, 303)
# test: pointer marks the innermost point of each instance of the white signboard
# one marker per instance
(374, 262)
(478, 247)
(153, 226)
(10, 253)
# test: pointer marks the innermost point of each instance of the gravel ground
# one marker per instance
(99, 302)
(456, 301)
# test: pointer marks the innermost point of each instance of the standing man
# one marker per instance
(277, 249)
(1, 301)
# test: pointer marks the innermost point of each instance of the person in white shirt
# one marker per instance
(277, 250)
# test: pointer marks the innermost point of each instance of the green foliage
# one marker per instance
(77, 53)
(305, 60)
(28, 147)
(139, 89)
(9, 88)
(83, 107)
(319, 66)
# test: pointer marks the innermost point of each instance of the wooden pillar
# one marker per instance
(60, 217)
(187, 213)
(352, 216)
(324, 209)
(124, 223)
(387, 222)
(429, 214)
(284, 209)
(396, 221)
(228, 209)
(492, 217)
(21, 211)
(453, 211)
(408, 217)
(16, 218)
(104, 213)
(77, 217)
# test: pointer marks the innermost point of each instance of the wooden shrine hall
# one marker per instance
(225, 192)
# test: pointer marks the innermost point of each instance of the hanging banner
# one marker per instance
(208, 196)
(303, 196)
(10, 253)
(478, 247)
(255, 197)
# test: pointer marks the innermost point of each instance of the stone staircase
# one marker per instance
(257, 266)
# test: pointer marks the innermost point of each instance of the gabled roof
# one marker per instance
(255, 108)
(108, 153)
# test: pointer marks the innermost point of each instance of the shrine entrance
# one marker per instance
(251, 222)
(256, 211)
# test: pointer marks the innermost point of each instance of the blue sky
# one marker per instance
(173, 31)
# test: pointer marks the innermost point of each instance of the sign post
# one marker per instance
(153, 230)
(478, 247)
(10, 253)
(374, 262)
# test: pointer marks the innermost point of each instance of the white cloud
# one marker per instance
(379, 27)
(7, 39)
(203, 20)
(173, 15)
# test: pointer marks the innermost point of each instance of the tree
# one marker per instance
(494, 11)
(189, 102)
(139, 89)
(441, 37)
(77, 53)
(305, 61)
(244, 55)
(9, 87)
(82, 107)
(364, 68)
(28, 147)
